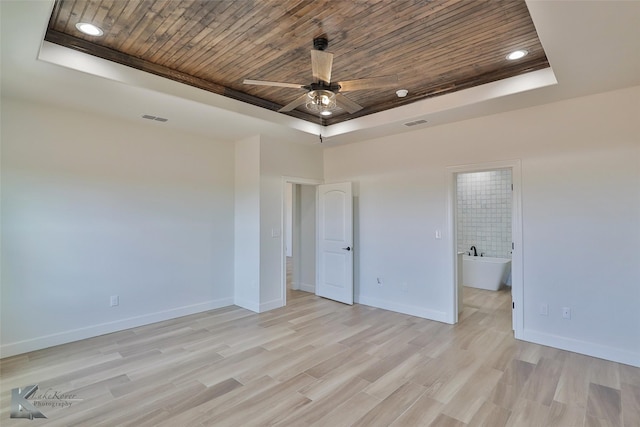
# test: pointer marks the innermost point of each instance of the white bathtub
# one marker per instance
(484, 272)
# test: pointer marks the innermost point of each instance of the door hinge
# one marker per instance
(513, 245)
(511, 187)
(513, 305)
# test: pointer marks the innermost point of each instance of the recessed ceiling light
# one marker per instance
(89, 29)
(402, 93)
(326, 113)
(517, 54)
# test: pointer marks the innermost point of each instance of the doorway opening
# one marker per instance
(486, 235)
(299, 237)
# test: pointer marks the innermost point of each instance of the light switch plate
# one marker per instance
(544, 309)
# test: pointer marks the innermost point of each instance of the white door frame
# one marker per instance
(517, 281)
(283, 213)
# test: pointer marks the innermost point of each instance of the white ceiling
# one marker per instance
(592, 46)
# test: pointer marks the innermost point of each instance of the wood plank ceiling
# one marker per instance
(433, 46)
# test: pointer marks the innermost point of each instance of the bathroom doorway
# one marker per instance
(485, 236)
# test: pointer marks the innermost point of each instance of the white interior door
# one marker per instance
(335, 242)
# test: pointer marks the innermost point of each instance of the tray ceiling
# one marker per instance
(434, 47)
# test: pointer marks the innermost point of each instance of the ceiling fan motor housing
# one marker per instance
(333, 87)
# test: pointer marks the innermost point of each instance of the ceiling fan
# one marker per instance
(323, 95)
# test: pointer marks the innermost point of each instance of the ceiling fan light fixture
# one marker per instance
(89, 29)
(517, 54)
(321, 101)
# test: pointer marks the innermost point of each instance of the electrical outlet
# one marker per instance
(566, 313)
(544, 309)
(115, 300)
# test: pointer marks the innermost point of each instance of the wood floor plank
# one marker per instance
(629, 374)
(349, 412)
(528, 413)
(230, 366)
(605, 403)
(389, 382)
(328, 384)
(590, 421)
(573, 385)
(385, 412)
(459, 368)
(237, 397)
(205, 395)
(385, 364)
(298, 362)
(324, 402)
(509, 388)
(605, 373)
(630, 404)
(422, 413)
(262, 408)
(542, 384)
(321, 369)
(443, 420)
(470, 398)
(490, 415)
(565, 415)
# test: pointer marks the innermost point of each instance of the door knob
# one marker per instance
(346, 249)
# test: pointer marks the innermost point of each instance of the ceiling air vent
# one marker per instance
(157, 119)
(417, 122)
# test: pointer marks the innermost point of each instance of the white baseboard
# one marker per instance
(270, 305)
(307, 288)
(439, 316)
(582, 347)
(38, 343)
(257, 307)
(249, 305)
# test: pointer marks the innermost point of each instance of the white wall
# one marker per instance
(278, 159)
(581, 216)
(94, 207)
(247, 223)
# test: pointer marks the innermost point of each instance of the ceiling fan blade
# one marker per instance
(278, 84)
(293, 104)
(321, 64)
(347, 104)
(371, 83)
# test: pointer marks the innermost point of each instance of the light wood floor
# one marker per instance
(317, 362)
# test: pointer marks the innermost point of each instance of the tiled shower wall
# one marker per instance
(484, 212)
